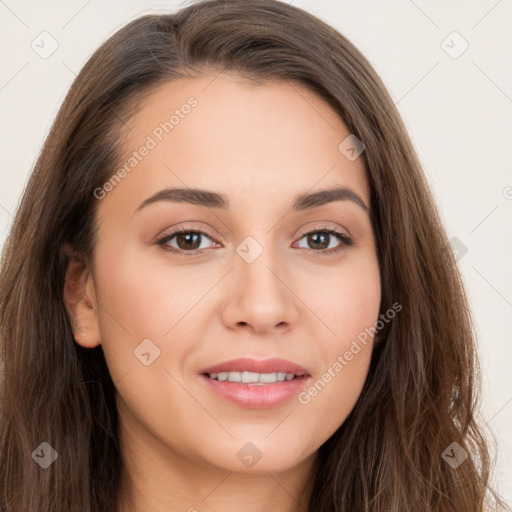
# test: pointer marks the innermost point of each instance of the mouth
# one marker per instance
(254, 370)
(254, 384)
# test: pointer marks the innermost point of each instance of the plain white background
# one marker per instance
(458, 109)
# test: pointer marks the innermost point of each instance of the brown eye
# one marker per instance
(183, 240)
(324, 240)
(319, 240)
(188, 240)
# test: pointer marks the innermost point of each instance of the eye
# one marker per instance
(186, 240)
(323, 237)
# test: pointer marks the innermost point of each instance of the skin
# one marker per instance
(261, 145)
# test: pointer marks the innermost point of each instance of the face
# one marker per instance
(263, 276)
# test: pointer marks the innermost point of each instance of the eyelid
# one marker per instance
(325, 227)
(169, 232)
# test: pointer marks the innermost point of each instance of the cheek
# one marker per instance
(145, 302)
(348, 311)
(151, 301)
(346, 301)
(357, 303)
(331, 395)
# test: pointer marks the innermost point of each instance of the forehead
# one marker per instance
(220, 132)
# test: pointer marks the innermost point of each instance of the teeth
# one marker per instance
(252, 377)
(234, 377)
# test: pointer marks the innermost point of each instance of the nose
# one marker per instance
(260, 296)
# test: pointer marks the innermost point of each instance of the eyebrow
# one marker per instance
(221, 201)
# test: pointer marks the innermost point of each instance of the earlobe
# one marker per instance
(80, 301)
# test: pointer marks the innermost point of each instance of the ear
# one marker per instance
(80, 300)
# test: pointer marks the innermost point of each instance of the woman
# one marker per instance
(227, 286)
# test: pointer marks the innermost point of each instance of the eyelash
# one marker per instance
(345, 239)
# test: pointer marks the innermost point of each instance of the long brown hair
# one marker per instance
(420, 394)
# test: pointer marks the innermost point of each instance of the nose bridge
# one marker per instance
(260, 297)
(258, 263)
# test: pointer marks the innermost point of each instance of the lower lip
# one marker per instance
(257, 397)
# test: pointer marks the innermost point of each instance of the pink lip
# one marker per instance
(252, 365)
(252, 396)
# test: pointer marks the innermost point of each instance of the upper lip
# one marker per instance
(252, 365)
